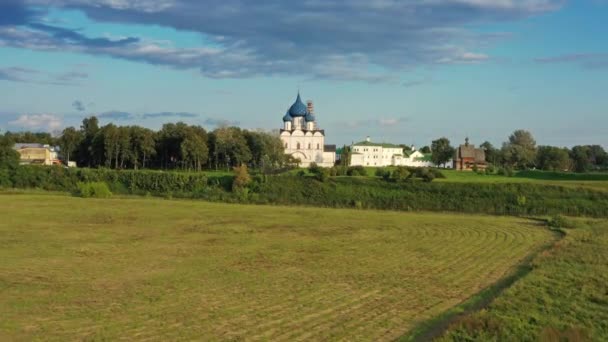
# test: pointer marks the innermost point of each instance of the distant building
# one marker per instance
(368, 153)
(467, 157)
(39, 154)
(302, 137)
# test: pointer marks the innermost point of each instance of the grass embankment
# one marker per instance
(77, 268)
(564, 298)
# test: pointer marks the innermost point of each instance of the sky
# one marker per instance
(406, 71)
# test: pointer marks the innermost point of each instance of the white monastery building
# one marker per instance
(302, 137)
(367, 153)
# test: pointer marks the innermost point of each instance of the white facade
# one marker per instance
(302, 137)
(367, 153)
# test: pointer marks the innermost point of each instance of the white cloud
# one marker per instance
(42, 122)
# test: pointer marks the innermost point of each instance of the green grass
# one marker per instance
(565, 296)
(592, 181)
(111, 269)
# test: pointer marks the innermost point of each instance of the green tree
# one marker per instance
(144, 145)
(400, 174)
(442, 151)
(345, 156)
(194, 150)
(520, 150)
(91, 149)
(425, 149)
(552, 158)
(598, 156)
(70, 140)
(231, 147)
(581, 158)
(493, 155)
(9, 158)
(125, 147)
(241, 177)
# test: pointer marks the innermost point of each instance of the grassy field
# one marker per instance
(590, 181)
(564, 298)
(595, 181)
(74, 268)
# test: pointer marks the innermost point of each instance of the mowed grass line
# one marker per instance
(563, 297)
(154, 269)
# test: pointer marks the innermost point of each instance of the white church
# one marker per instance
(302, 137)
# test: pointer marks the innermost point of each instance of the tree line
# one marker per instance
(521, 152)
(174, 146)
(190, 147)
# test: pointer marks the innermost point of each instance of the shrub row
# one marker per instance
(119, 181)
(338, 192)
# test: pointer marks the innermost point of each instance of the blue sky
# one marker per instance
(398, 71)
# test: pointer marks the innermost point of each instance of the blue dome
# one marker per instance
(287, 117)
(309, 117)
(298, 108)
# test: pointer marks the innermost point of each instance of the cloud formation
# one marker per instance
(332, 39)
(585, 60)
(215, 122)
(79, 106)
(16, 74)
(115, 115)
(37, 122)
(169, 115)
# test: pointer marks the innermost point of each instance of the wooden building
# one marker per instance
(467, 157)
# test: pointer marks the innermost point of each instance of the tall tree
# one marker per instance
(425, 149)
(144, 145)
(194, 150)
(68, 141)
(231, 147)
(90, 151)
(552, 158)
(493, 155)
(125, 147)
(9, 158)
(442, 151)
(520, 150)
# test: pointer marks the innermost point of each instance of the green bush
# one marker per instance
(506, 171)
(382, 172)
(356, 171)
(94, 190)
(400, 174)
(559, 221)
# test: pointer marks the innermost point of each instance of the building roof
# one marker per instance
(329, 148)
(298, 108)
(287, 117)
(469, 151)
(384, 145)
(309, 117)
(19, 146)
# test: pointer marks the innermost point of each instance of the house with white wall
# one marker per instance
(368, 153)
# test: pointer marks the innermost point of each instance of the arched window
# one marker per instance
(309, 146)
(286, 145)
(318, 147)
(298, 146)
